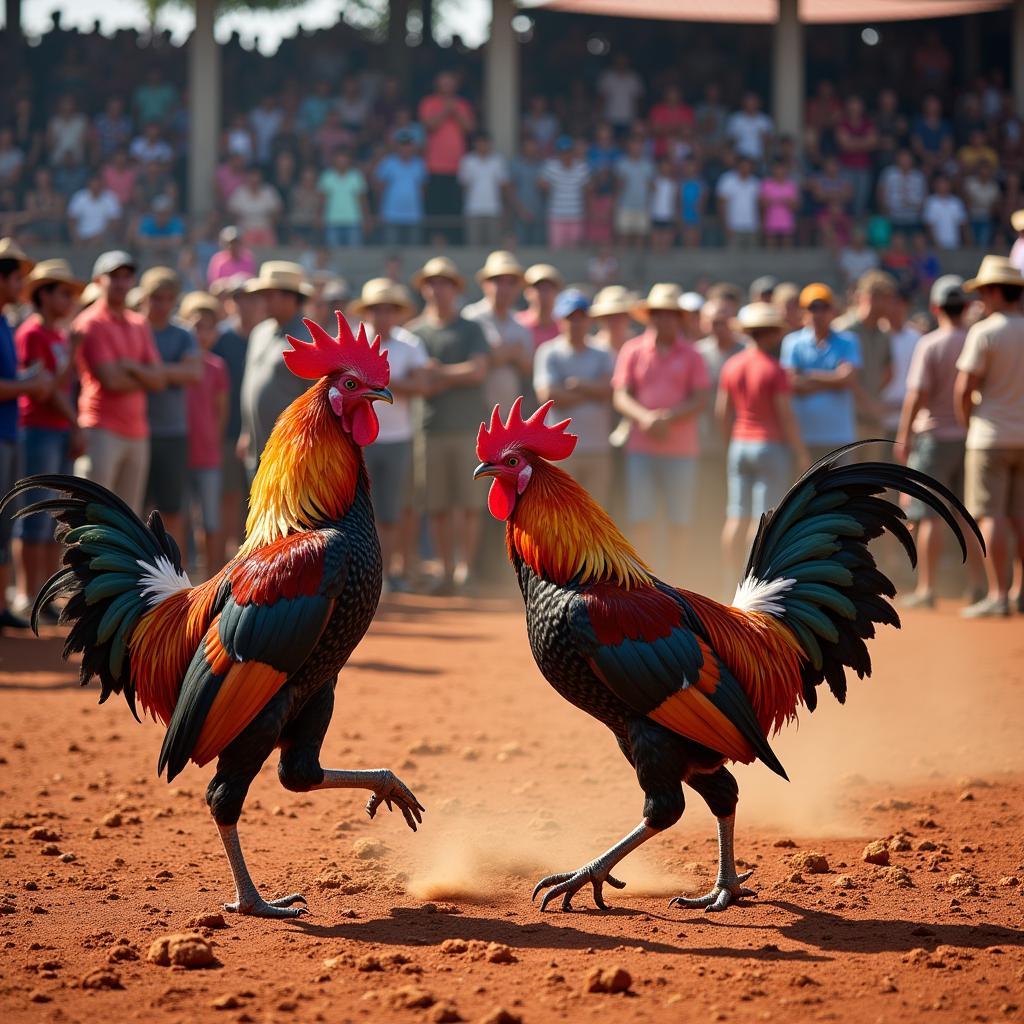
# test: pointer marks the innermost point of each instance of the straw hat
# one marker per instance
(280, 276)
(498, 264)
(10, 250)
(662, 296)
(51, 272)
(380, 291)
(1017, 220)
(90, 294)
(995, 270)
(159, 277)
(542, 272)
(439, 266)
(198, 302)
(611, 300)
(760, 315)
(229, 285)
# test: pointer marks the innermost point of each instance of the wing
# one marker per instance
(279, 601)
(637, 643)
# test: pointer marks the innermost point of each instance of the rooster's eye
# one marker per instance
(511, 461)
(350, 384)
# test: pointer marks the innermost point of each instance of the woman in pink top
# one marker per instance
(754, 411)
(779, 199)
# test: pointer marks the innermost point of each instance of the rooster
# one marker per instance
(248, 660)
(687, 684)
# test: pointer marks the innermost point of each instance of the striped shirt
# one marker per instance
(565, 196)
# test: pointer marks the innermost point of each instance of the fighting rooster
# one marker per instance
(687, 684)
(247, 661)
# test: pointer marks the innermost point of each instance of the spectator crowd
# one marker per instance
(695, 410)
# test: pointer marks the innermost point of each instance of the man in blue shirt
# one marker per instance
(823, 366)
(161, 230)
(401, 177)
(34, 382)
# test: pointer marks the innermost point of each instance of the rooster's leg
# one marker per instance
(249, 899)
(729, 885)
(386, 786)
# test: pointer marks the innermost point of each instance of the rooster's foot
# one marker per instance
(259, 907)
(725, 891)
(392, 790)
(568, 883)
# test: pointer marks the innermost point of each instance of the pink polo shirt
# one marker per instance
(107, 337)
(661, 379)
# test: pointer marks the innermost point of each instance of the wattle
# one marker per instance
(501, 499)
(363, 423)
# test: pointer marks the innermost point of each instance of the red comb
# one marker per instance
(551, 443)
(326, 355)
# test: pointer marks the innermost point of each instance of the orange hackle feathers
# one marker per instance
(563, 534)
(308, 472)
(532, 434)
(326, 355)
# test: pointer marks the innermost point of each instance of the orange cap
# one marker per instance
(816, 293)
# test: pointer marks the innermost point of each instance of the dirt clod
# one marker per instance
(187, 949)
(876, 852)
(608, 980)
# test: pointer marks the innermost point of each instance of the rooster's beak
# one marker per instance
(380, 395)
(485, 469)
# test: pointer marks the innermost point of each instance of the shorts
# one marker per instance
(389, 465)
(168, 474)
(44, 450)
(943, 460)
(8, 478)
(632, 222)
(121, 464)
(759, 472)
(446, 473)
(565, 233)
(662, 225)
(205, 487)
(668, 480)
(994, 482)
(233, 477)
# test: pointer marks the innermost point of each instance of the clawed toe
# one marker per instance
(279, 908)
(568, 883)
(720, 898)
(394, 791)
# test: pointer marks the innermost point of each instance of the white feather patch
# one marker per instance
(754, 595)
(160, 579)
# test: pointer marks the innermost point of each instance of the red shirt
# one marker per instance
(665, 119)
(661, 379)
(35, 343)
(204, 434)
(446, 142)
(541, 333)
(753, 380)
(106, 338)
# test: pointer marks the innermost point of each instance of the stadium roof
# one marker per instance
(766, 11)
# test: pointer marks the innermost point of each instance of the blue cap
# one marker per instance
(572, 300)
(563, 143)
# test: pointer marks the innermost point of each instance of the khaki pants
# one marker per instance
(593, 472)
(121, 464)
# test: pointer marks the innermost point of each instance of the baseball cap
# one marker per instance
(817, 292)
(691, 302)
(572, 300)
(767, 283)
(108, 262)
(948, 290)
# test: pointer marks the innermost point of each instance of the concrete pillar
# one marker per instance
(12, 20)
(502, 79)
(204, 85)
(1017, 56)
(788, 72)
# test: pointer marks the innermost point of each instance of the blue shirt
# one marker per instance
(8, 371)
(690, 193)
(401, 202)
(825, 417)
(148, 227)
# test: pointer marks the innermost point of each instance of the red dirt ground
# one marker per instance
(519, 784)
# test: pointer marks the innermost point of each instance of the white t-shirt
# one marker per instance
(663, 198)
(741, 196)
(748, 131)
(945, 215)
(482, 178)
(621, 91)
(151, 152)
(406, 352)
(93, 214)
(901, 346)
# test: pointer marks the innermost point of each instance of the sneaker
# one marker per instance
(923, 599)
(989, 607)
(8, 620)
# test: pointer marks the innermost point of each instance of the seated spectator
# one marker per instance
(230, 175)
(603, 154)
(12, 159)
(542, 284)
(981, 196)
(150, 147)
(692, 201)
(738, 195)
(749, 128)
(565, 178)
(67, 134)
(94, 214)
(944, 215)
(304, 220)
(483, 175)
(231, 259)
(153, 99)
(526, 196)
(345, 208)
(930, 135)
(667, 118)
(576, 375)
(161, 230)
(256, 208)
(401, 178)
(120, 176)
(44, 210)
(780, 198)
(634, 175)
(902, 189)
(111, 129)
(977, 152)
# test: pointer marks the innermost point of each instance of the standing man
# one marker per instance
(739, 197)
(661, 385)
(268, 386)
(385, 304)
(991, 365)
(543, 283)
(511, 343)
(168, 408)
(14, 265)
(576, 375)
(823, 365)
(118, 365)
(566, 179)
(483, 175)
(930, 437)
(460, 357)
